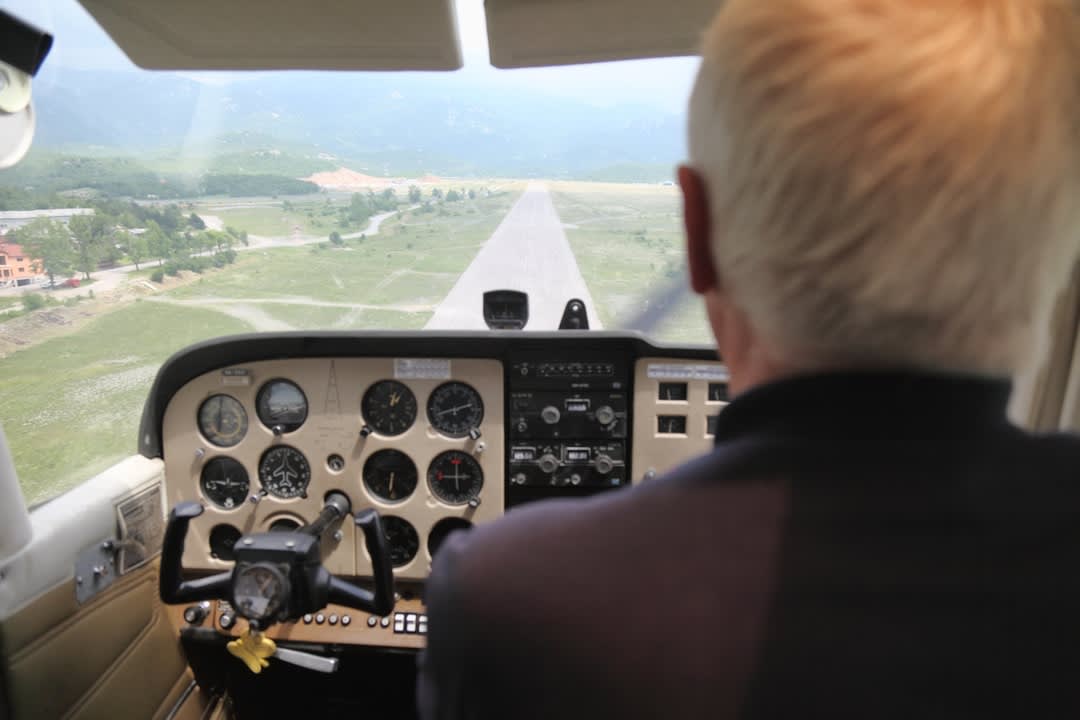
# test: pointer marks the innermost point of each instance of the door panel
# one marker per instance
(116, 655)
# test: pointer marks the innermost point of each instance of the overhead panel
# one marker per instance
(534, 33)
(283, 35)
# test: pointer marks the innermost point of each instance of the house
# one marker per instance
(16, 266)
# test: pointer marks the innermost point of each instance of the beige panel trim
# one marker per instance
(656, 453)
(528, 33)
(1046, 395)
(257, 35)
(357, 632)
(333, 426)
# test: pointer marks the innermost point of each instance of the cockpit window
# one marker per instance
(158, 209)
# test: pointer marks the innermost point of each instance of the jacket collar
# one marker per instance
(867, 404)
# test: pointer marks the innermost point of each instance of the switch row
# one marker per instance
(410, 624)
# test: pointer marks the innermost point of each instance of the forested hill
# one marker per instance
(292, 124)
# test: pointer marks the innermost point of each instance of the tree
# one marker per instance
(472, 194)
(157, 242)
(88, 233)
(452, 196)
(196, 222)
(335, 237)
(49, 243)
(414, 194)
(436, 194)
(138, 249)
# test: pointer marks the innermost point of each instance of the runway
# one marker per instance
(528, 252)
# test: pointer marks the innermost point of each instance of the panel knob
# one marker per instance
(605, 415)
(227, 620)
(550, 414)
(195, 614)
(604, 464)
(548, 463)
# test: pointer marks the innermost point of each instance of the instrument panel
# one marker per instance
(261, 444)
(436, 431)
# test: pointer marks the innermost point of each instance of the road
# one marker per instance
(528, 252)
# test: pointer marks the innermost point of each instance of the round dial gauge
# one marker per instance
(281, 404)
(442, 530)
(259, 591)
(223, 539)
(284, 472)
(390, 475)
(455, 478)
(389, 407)
(402, 538)
(224, 482)
(455, 408)
(222, 420)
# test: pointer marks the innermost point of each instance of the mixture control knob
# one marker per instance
(548, 463)
(605, 415)
(195, 614)
(604, 464)
(227, 620)
(550, 414)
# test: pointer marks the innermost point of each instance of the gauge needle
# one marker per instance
(454, 409)
(390, 487)
(394, 397)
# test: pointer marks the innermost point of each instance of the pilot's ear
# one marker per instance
(698, 230)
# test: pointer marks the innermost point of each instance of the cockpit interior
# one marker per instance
(265, 551)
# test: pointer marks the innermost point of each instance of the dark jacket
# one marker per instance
(876, 545)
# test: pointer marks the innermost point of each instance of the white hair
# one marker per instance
(891, 182)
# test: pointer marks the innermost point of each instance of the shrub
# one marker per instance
(158, 276)
(172, 268)
(32, 301)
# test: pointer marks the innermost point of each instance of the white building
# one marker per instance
(12, 219)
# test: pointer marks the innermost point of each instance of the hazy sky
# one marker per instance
(80, 42)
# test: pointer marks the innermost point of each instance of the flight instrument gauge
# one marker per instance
(284, 472)
(455, 408)
(259, 591)
(282, 406)
(442, 530)
(222, 420)
(390, 475)
(224, 482)
(402, 538)
(389, 407)
(455, 477)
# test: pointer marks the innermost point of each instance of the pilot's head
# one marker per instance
(883, 182)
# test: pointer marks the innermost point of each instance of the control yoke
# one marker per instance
(279, 575)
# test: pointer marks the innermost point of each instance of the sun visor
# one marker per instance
(283, 35)
(534, 33)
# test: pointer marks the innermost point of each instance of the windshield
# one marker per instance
(157, 209)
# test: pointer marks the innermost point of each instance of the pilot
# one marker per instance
(880, 202)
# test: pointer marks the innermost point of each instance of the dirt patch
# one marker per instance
(346, 179)
(41, 325)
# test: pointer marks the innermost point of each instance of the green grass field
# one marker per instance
(70, 406)
(628, 241)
